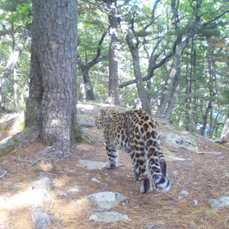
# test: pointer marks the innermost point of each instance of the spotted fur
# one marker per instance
(136, 133)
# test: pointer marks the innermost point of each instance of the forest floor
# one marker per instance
(203, 175)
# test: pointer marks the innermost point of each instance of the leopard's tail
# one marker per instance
(162, 183)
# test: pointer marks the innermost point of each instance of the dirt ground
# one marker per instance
(204, 176)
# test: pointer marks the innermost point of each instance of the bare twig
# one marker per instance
(226, 220)
(151, 226)
(3, 174)
(69, 198)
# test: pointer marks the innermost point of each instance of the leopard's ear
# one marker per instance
(103, 111)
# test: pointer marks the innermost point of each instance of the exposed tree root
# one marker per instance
(17, 141)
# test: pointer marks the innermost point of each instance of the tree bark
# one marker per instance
(169, 82)
(87, 82)
(113, 96)
(174, 95)
(51, 106)
(205, 118)
(137, 72)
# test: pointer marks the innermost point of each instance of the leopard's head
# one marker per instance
(102, 119)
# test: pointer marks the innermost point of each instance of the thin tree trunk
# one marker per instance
(195, 116)
(113, 96)
(85, 67)
(15, 86)
(87, 82)
(168, 84)
(138, 75)
(11, 63)
(175, 92)
(205, 118)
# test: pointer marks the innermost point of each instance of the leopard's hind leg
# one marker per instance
(112, 154)
(139, 163)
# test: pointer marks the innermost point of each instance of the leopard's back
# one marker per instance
(137, 134)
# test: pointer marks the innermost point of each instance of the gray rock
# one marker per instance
(40, 218)
(108, 216)
(177, 141)
(221, 202)
(92, 164)
(44, 182)
(106, 200)
(83, 123)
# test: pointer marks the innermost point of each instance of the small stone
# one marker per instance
(92, 164)
(195, 202)
(184, 192)
(106, 200)
(95, 180)
(73, 190)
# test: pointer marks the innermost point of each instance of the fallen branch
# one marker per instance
(64, 196)
(214, 153)
(3, 174)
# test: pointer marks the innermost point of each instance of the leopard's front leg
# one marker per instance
(112, 154)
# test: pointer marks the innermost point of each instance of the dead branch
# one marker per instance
(3, 174)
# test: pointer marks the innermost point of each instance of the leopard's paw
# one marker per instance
(111, 165)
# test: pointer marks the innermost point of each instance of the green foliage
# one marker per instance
(22, 13)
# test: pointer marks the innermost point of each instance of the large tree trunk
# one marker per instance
(51, 106)
(113, 96)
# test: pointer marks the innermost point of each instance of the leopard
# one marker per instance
(135, 133)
